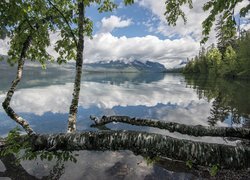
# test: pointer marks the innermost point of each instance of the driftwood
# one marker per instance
(147, 144)
(176, 127)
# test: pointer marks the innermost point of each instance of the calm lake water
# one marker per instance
(43, 98)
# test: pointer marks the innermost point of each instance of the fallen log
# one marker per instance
(191, 130)
(147, 144)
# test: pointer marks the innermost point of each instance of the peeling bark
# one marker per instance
(6, 104)
(176, 127)
(148, 144)
(79, 62)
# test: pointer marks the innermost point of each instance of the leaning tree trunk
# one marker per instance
(176, 127)
(79, 62)
(148, 144)
(6, 104)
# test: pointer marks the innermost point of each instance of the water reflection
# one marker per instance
(44, 98)
(230, 99)
(93, 165)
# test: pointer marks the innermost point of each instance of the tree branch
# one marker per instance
(66, 21)
(176, 127)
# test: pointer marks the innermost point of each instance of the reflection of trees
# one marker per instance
(59, 146)
(218, 112)
(230, 98)
(15, 170)
(11, 165)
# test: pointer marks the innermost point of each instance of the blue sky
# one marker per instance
(137, 14)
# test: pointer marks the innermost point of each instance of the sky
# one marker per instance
(140, 32)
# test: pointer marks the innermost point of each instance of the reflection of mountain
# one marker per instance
(35, 76)
(46, 108)
(120, 78)
(167, 99)
(120, 66)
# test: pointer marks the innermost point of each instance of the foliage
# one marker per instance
(243, 55)
(22, 149)
(234, 62)
(215, 7)
(229, 67)
(151, 160)
(173, 10)
(225, 35)
(38, 18)
(68, 24)
(214, 170)
(189, 164)
(214, 60)
(12, 143)
(21, 19)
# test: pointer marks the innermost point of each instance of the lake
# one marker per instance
(43, 98)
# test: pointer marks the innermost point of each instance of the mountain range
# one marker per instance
(117, 66)
(120, 66)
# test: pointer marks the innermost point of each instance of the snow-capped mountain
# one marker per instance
(120, 66)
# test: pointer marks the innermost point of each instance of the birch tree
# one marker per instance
(27, 25)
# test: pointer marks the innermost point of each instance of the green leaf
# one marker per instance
(189, 164)
(214, 170)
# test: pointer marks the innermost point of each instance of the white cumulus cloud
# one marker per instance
(109, 24)
(106, 47)
(195, 17)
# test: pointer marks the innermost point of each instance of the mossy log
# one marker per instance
(197, 130)
(147, 144)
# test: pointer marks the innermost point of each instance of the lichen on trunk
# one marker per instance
(148, 144)
(79, 62)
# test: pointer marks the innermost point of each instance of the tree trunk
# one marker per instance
(148, 144)
(176, 127)
(79, 62)
(6, 104)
